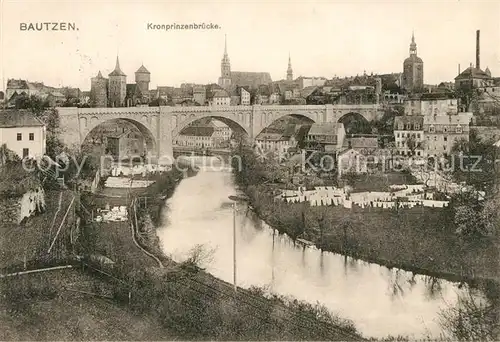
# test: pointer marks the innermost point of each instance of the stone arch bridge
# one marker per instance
(160, 125)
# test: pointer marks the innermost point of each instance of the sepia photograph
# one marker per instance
(249, 171)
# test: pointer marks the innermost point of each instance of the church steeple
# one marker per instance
(413, 45)
(225, 67)
(117, 71)
(289, 71)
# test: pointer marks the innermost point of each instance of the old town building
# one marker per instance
(431, 104)
(409, 135)
(22, 133)
(326, 137)
(442, 131)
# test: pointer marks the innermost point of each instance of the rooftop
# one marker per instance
(198, 131)
(362, 142)
(408, 120)
(252, 79)
(472, 72)
(142, 70)
(329, 128)
(18, 118)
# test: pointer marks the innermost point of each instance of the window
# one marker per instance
(459, 129)
(445, 138)
(445, 129)
(26, 152)
(19, 136)
(432, 129)
(32, 136)
(397, 135)
(418, 135)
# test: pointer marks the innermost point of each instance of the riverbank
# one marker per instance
(419, 240)
(192, 303)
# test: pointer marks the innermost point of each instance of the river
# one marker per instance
(380, 301)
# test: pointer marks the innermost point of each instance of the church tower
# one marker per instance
(413, 70)
(117, 86)
(225, 68)
(289, 71)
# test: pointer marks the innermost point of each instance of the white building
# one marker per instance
(22, 133)
(409, 135)
(194, 136)
(220, 98)
(442, 131)
(431, 104)
(244, 97)
(222, 133)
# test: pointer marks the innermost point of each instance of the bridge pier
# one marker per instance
(164, 145)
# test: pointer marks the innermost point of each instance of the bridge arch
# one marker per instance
(104, 127)
(354, 123)
(235, 126)
(271, 119)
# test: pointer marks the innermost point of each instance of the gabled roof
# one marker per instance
(308, 91)
(472, 72)
(408, 120)
(205, 131)
(18, 118)
(220, 93)
(329, 128)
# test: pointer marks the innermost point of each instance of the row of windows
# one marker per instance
(445, 138)
(20, 136)
(417, 135)
(404, 153)
(458, 129)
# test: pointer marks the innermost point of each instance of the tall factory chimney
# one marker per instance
(478, 65)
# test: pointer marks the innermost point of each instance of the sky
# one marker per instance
(331, 38)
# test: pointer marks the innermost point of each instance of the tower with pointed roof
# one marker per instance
(99, 91)
(142, 79)
(413, 70)
(225, 68)
(117, 87)
(289, 71)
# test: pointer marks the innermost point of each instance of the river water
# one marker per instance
(378, 300)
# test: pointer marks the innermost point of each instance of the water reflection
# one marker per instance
(379, 300)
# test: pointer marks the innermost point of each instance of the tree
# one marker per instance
(474, 161)
(34, 103)
(413, 144)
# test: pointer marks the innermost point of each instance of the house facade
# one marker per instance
(409, 135)
(22, 133)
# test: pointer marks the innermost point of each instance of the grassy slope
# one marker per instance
(67, 315)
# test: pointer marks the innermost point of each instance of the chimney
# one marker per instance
(459, 68)
(477, 50)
